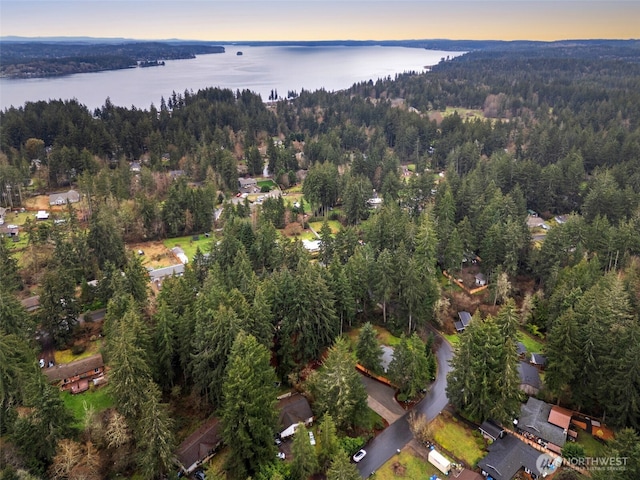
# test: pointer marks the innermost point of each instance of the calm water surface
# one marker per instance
(260, 69)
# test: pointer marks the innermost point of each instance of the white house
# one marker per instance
(294, 409)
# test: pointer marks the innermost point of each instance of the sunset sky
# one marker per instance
(224, 20)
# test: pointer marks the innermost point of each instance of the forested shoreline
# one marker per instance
(542, 129)
(39, 59)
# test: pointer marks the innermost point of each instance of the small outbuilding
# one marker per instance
(481, 280)
(439, 461)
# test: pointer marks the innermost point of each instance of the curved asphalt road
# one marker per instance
(398, 434)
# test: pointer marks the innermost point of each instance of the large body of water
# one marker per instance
(260, 69)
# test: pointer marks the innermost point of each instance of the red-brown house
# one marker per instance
(75, 376)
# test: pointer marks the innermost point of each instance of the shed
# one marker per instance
(439, 461)
(521, 349)
(491, 430)
(481, 280)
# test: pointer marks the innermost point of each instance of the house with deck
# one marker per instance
(75, 376)
(539, 424)
(510, 455)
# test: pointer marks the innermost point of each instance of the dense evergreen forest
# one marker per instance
(541, 128)
(46, 59)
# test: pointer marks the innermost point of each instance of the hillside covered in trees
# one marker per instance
(544, 129)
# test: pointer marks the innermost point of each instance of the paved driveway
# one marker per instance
(381, 399)
(398, 434)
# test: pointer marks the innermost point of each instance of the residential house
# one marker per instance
(64, 197)
(491, 430)
(464, 319)
(160, 273)
(538, 360)
(199, 445)
(247, 183)
(293, 410)
(534, 424)
(530, 382)
(75, 376)
(481, 280)
(508, 456)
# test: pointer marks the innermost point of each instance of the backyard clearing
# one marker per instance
(156, 255)
(457, 438)
(407, 464)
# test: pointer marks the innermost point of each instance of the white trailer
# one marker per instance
(437, 460)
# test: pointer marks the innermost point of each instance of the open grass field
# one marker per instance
(189, 245)
(99, 398)
(406, 465)
(532, 344)
(458, 439)
(156, 254)
(333, 224)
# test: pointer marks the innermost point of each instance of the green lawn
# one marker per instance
(267, 183)
(453, 338)
(99, 398)
(189, 245)
(413, 468)
(532, 344)
(458, 439)
(333, 224)
(592, 447)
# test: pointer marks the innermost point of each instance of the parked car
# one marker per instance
(281, 455)
(359, 455)
(312, 438)
(199, 475)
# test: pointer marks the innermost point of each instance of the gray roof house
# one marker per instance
(534, 419)
(160, 273)
(247, 182)
(529, 378)
(464, 319)
(62, 198)
(293, 410)
(507, 456)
